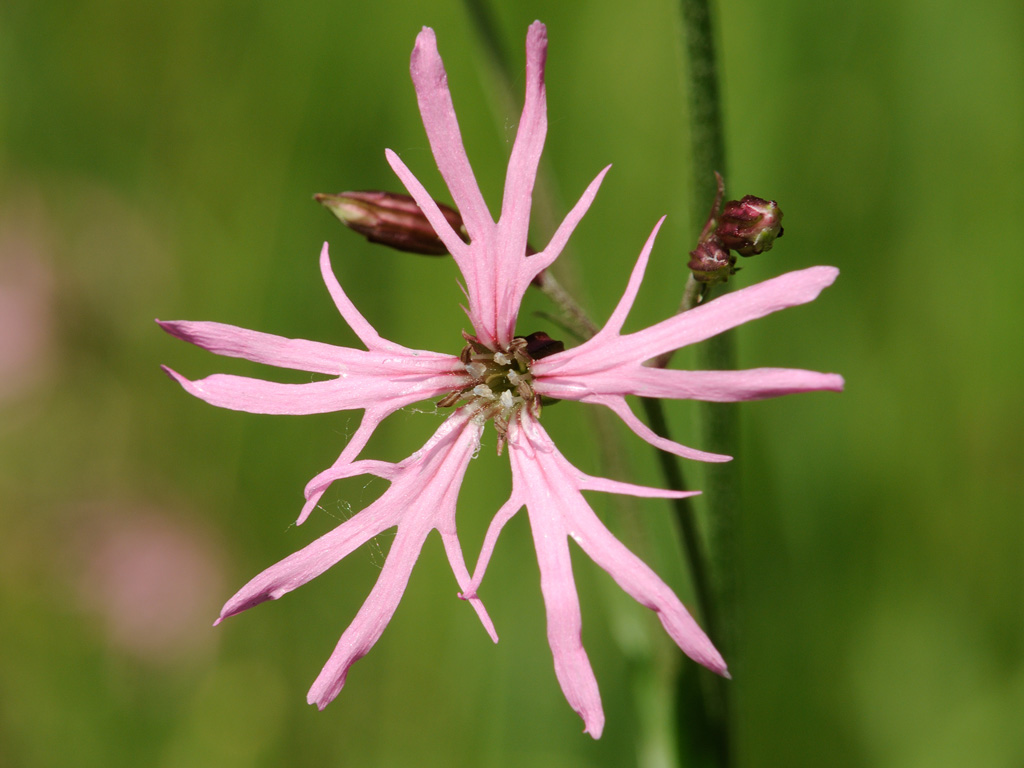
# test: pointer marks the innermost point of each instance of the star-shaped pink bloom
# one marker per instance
(499, 377)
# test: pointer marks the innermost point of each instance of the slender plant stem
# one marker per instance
(707, 138)
(719, 422)
(574, 316)
(686, 518)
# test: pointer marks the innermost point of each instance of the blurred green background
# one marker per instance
(158, 160)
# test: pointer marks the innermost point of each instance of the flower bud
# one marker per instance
(749, 226)
(391, 219)
(710, 262)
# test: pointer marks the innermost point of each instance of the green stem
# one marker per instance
(686, 518)
(719, 423)
(574, 316)
(707, 139)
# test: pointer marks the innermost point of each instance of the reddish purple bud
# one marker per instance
(749, 226)
(710, 262)
(391, 219)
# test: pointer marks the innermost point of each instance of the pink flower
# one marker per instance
(498, 377)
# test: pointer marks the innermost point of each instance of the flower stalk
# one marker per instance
(719, 422)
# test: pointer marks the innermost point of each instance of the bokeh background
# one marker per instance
(158, 160)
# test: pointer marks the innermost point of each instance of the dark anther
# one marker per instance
(540, 345)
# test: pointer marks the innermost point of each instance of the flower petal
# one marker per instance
(316, 487)
(494, 265)
(565, 624)
(728, 311)
(373, 617)
(230, 341)
(522, 165)
(623, 411)
(366, 332)
(613, 327)
(422, 497)
(504, 514)
(546, 258)
(550, 488)
(609, 366)
(709, 386)
(310, 561)
(459, 249)
(442, 127)
(700, 323)
(241, 393)
(643, 585)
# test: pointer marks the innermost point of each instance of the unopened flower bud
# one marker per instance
(391, 219)
(710, 262)
(749, 226)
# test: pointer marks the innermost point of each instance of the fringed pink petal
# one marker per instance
(533, 463)
(717, 386)
(622, 410)
(240, 393)
(422, 496)
(312, 560)
(373, 617)
(604, 352)
(709, 386)
(457, 561)
(514, 223)
(565, 624)
(230, 341)
(316, 487)
(551, 488)
(724, 313)
(442, 127)
(614, 325)
(476, 261)
(494, 265)
(643, 585)
(609, 366)
(366, 332)
(604, 485)
(544, 259)
(456, 246)
(506, 513)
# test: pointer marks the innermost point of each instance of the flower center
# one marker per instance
(500, 381)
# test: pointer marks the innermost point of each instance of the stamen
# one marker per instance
(500, 383)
